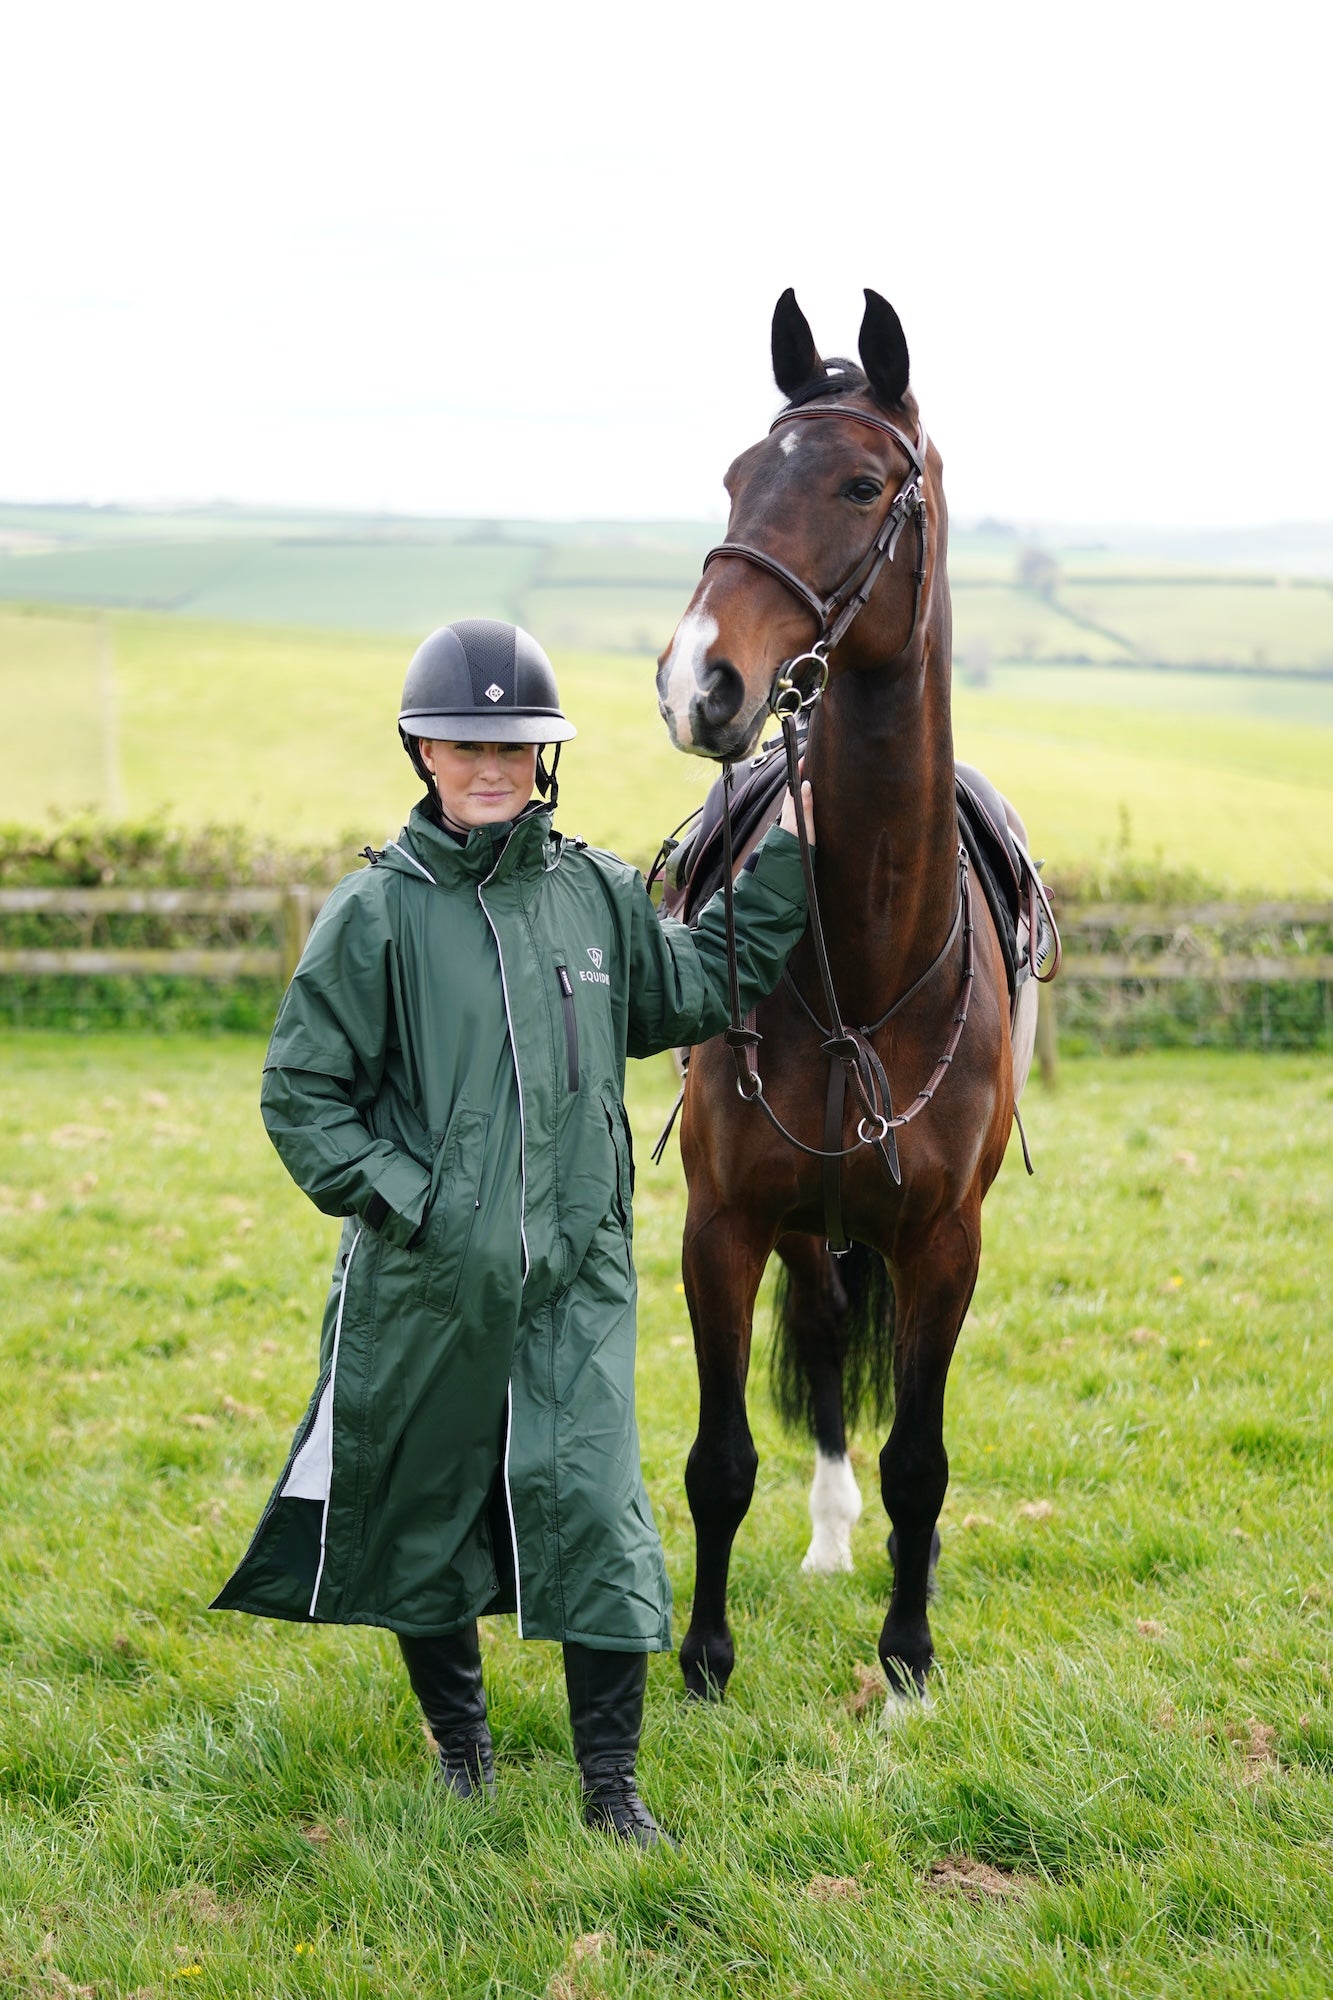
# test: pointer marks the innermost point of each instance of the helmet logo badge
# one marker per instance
(495, 692)
(595, 955)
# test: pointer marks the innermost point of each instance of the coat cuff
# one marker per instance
(777, 863)
(397, 1201)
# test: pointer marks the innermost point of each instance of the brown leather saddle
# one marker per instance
(691, 867)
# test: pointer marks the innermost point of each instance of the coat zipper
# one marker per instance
(522, 1233)
(333, 1376)
(571, 1025)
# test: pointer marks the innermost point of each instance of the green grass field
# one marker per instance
(277, 727)
(1125, 1787)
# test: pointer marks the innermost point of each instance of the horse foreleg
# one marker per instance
(934, 1291)
(722, 1264)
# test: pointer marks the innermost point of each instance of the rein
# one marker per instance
(852, 1058)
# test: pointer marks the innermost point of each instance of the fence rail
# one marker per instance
(293, 909)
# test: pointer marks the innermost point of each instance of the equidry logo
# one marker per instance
(597, 978)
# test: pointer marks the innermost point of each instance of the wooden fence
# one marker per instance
(1149, 944)
(292, 909)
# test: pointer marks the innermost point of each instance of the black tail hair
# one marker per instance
(867, 1330)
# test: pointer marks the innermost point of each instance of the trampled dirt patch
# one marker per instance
(960, 1875)
(570, 1982)
(833, 1889)
(869, 1691)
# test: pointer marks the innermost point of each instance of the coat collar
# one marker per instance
(527, 846)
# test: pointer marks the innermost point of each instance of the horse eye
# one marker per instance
(862, 491)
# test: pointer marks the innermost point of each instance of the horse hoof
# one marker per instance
(901, 1707)
(703, 1682)
(827, 1557)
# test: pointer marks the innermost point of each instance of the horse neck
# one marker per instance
(880, 764)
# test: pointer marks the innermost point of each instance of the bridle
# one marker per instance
(834, 614)
(852, 1057)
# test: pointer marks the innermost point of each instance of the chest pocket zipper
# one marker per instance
(571, 1025)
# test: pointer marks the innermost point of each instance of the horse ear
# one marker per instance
(883, 349)
(795, 357)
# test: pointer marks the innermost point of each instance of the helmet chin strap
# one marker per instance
(546, 780)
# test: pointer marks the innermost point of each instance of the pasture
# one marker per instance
(1125, 1787)
(276, 727)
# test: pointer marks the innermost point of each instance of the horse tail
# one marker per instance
(863, 1333)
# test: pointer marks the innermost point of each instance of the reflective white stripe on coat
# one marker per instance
(327, 1397)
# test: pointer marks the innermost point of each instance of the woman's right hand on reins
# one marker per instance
(788, 820)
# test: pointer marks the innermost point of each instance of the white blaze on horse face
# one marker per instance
(789, 444)
(684, 670)
(835, 1508)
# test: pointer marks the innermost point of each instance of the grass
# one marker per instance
(275, 727)
(1125, 1787)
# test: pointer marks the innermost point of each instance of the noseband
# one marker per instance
(834, 614)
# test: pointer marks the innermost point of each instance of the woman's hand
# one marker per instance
(788, 819)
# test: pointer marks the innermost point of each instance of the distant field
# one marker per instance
(209, 720)
(619, 587)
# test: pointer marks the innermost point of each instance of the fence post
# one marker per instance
(1047, 1060)
(295, 928)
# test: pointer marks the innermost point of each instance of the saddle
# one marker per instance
(691, 868)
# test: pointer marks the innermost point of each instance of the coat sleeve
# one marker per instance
(324, 1067)
(679, 987)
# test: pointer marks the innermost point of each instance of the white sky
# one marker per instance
(520, 259)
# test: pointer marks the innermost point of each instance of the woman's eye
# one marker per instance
(863, 491)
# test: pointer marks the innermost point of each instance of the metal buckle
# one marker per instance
(786, 698)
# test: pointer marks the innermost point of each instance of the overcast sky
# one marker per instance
(521, 260)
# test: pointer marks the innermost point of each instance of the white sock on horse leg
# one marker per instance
(835, 1507)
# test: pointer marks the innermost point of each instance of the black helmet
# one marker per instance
(478, 680)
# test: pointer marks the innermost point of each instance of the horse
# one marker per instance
(817, 510)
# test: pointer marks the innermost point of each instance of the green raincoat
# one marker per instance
(447, 1074)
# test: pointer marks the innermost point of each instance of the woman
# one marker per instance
(446, 1074)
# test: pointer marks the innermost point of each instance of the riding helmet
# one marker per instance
(481, 681)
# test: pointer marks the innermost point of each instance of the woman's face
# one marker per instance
(481, 783)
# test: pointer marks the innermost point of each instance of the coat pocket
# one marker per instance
(618, 1126)
(455, 1199)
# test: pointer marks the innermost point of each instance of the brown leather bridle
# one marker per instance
(853, 1060)
(834, 614)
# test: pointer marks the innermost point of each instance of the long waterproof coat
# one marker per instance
(447, 1074)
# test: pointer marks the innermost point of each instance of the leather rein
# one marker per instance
(853, 1060)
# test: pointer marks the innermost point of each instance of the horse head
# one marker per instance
(816, 511)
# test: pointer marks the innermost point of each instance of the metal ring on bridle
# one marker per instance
(787, 698)
(873, 1138)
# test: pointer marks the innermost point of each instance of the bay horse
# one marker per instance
(817, 508)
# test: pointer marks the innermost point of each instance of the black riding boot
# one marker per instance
(446, 1679)
(606, 1713)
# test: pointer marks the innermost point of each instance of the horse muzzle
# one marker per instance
(704, 700)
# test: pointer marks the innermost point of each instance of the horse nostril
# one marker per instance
(721, 692)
